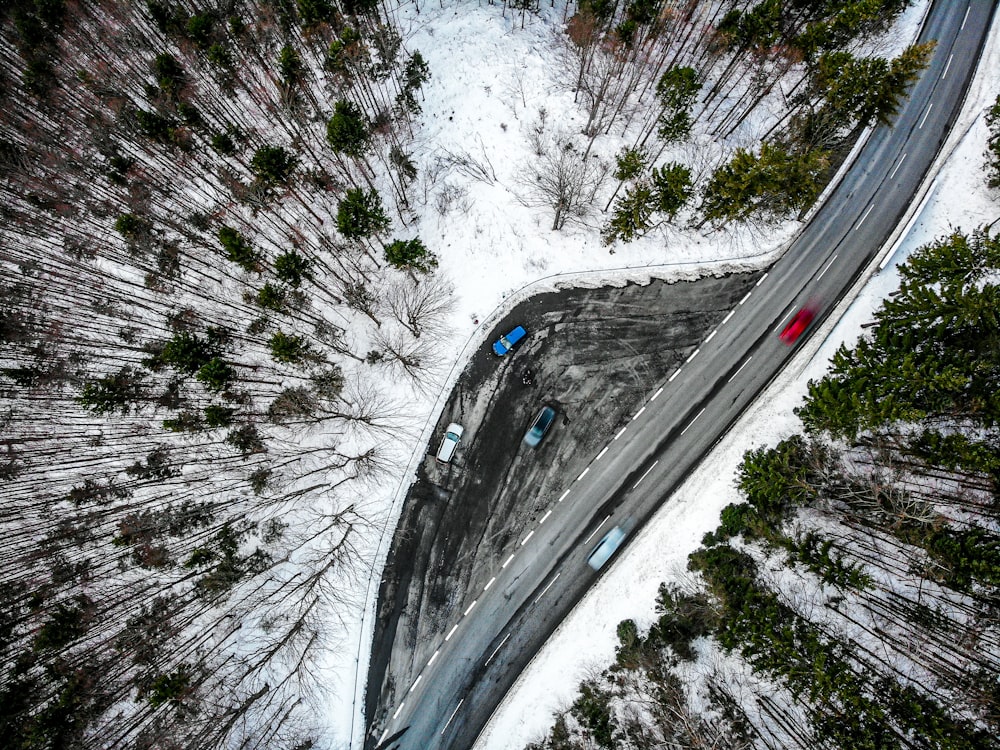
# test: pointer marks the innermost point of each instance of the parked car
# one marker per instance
(507, 342)
(605, 548)
(539, 426)
(790, 334)
(452, 435)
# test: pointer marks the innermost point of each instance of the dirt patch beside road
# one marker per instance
(596, 356)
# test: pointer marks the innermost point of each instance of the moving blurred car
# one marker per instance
(605, 548)
(797, 325)
(540, 426)
(452, 434)
(506, 342)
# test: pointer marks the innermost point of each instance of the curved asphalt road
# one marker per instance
(502, 626)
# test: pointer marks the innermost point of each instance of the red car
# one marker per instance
(797, 325)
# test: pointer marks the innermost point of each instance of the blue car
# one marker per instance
(540, 426)
(507, 342)
(608, 545)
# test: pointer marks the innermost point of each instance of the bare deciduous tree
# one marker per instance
(564, 181)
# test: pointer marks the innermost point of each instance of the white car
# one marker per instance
(449, 442)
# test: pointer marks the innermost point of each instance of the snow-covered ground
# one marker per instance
(491, 81)
(956, 197)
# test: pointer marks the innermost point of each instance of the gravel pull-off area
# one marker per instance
(594, 355)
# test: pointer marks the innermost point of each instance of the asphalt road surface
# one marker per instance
(458, 621)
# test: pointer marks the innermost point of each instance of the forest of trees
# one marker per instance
(200, 292)
(212, 293)
(851, 600)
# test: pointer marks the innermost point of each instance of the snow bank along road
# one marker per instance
(501, 626)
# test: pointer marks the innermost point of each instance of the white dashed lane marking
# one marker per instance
(546, 589)
(745, 363)
(947, 65)
(924, 119)
(898, 165)
(487, 662)
(865, 216)
(645, 474)
(597, 529)
(453, 714)
(692, 421)
(826, 268)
